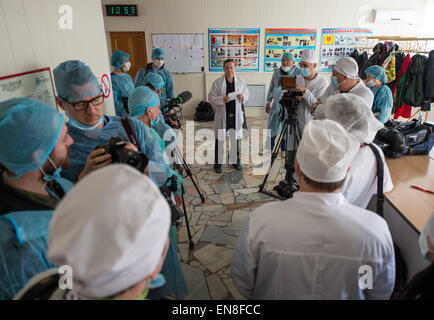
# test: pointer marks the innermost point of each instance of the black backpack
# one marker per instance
(204, 112)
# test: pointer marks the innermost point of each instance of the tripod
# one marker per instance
(180, 169)
(286, 188)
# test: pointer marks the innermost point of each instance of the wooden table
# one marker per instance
(413, 205)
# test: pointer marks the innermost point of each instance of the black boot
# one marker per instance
(218, 168)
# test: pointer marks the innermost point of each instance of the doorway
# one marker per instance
(133, 43)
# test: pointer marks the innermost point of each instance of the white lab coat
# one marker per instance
(215, 97)
(359, 89)
(361, 182)
(311, 247)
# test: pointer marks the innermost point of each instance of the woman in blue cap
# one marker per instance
(121, 80)
(158, 67)
(376, 80)
(144, 104)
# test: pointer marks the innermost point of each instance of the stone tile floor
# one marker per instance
(216, 224)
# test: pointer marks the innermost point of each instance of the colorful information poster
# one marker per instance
(242, 45)
(279, 41)
(338, 43)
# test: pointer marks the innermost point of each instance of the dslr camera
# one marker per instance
(116, 147)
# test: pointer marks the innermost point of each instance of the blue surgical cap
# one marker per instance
(378, 73)
(141, 99)
(154, 79)
(28, 132)
(75, 81)
(158, 53)
(119, 58)
(288, 55)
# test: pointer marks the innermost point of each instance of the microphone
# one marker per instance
(181, 98)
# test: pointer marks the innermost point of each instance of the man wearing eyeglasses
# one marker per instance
(80, 96)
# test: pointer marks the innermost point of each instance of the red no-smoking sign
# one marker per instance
(106, 85)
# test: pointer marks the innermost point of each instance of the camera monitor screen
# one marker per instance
(287, 83)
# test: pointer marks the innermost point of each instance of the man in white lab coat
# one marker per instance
(345, 79)
(316, 245)
(228, 95)
(357, 118)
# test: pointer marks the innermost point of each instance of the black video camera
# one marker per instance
(399, 138)
(173, 110)
(116, 147)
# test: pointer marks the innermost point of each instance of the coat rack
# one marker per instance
(406, 45)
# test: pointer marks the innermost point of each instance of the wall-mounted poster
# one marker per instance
(279, 41)
(337, 42)
(36, 84)
(242, 45)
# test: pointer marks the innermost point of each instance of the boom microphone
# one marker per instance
(181, 98)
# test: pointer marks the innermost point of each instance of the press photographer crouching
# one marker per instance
(34, 145)
(79, 95)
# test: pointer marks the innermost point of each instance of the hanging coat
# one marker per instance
(215, 97)
(429, 78)
(311, 247)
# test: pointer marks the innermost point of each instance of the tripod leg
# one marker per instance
(190, 175)
(191, 247)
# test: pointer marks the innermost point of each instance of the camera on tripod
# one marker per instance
(173, 110)
(116, 147)
(289, 99)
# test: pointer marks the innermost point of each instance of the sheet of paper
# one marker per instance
(233, 95)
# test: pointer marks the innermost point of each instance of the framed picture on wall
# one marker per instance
(35, 84)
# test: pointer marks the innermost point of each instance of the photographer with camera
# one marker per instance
(228, 95)
(157, 66)
(311, 86)
(156, 83)
(121, 81)
(79, 95)
(345, 79)
(144, 105)
(34, 146)
(357, 118)
(313, 245)
(288, 69)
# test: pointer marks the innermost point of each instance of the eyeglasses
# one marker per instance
(82, 105)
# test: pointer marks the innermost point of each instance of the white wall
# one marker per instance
(196, 16)
(31, 38)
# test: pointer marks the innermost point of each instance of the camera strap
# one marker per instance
(130, 132)
(380, 179)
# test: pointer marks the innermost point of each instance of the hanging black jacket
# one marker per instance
(413, 93)
(374, 60)
(428, 80)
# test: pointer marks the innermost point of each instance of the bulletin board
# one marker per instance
(35, 84)
(184, 51)
(280, 41)
(241, 44)
(337, 43)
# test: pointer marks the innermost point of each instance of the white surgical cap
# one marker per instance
(347, 67)
(352, 112)
(308, 56)
(111, 228)
(326, 151)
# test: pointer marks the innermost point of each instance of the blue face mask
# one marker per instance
(304, 72)
(60, 185)
(154, 122)
(159, 281)
(423, 245)
(334, 82)
(78, 125)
